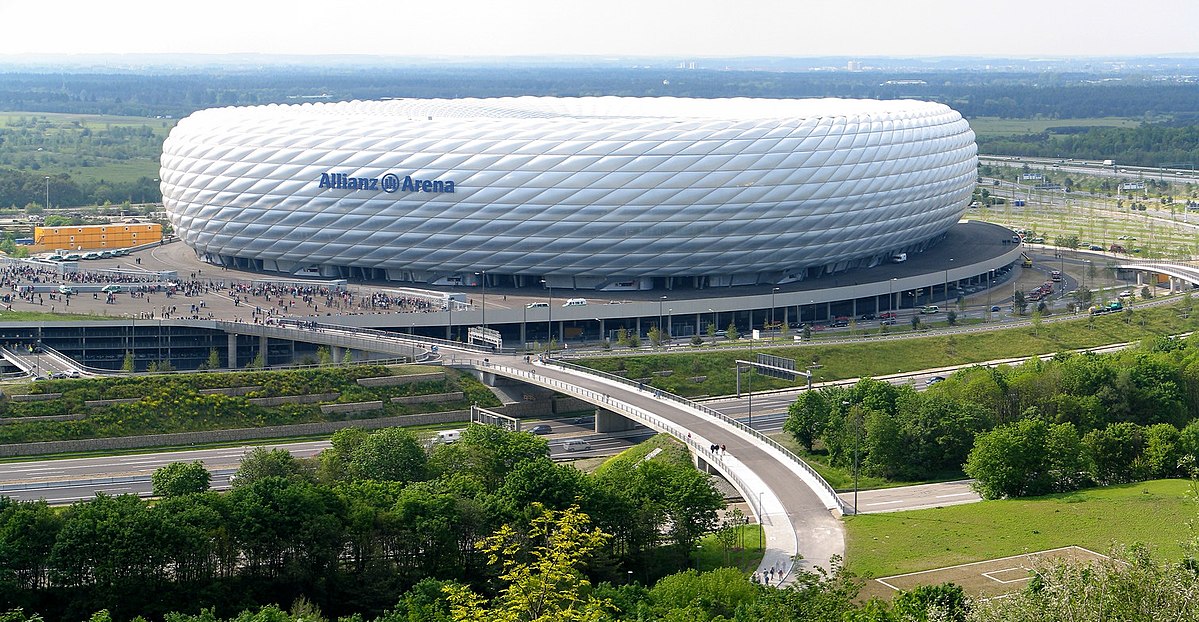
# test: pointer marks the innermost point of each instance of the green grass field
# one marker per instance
(1156, 513)
(995, 126)
(88, 147)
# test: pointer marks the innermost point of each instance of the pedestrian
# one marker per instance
(722, 448)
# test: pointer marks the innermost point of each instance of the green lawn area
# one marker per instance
(1154, 513)
(995, 126)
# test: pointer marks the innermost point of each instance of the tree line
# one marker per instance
(24, 189)
(1149, 144)
(351, 529)
(1042, 426)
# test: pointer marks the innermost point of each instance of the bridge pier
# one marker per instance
(608, 421)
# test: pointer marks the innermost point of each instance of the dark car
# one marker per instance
(934, 380)
(540, 429)
(994, 308)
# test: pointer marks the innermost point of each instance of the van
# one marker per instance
(576, 444)
(575, 302)
(537, 305)
(930, 309)
(111, 288)
(66, 289)
(448, 436)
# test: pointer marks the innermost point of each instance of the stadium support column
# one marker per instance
(231, 345)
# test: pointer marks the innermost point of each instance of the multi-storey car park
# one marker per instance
(587, 193)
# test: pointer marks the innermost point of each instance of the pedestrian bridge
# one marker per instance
(1187, 272)
(797, 509)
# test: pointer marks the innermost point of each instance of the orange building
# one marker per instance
(95, 237)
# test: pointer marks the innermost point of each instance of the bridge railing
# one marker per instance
(617, 405)
(660, 394)
(347, 337)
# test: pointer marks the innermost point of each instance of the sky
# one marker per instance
(604, 28)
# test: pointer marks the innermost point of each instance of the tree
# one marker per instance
(951, 318)
(732, 334)
(712, 331)
(1113, 452)
(1037, 319)
(333, 464)
(806, 418)
(323, 357)
(261, 463)
(1014, 460)
(915, 322)
(655, 336)
(697, 340)
(1084, 296)
(180, 478)
(128, 364)
(390, 454)
(214, 361)
(1019, 303)
(28, 530)
(542, 573)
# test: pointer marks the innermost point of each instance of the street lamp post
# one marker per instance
(549, 312)
(714, 326)
(449, 305)
(772, 293)
(857, 438)
(891, 294)
(483, 279)
(761, 521)
(947, 283)
(47, 192)
(660, 301)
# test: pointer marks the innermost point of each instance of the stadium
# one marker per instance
(588, 193)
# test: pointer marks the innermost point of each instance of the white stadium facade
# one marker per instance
(589, 193)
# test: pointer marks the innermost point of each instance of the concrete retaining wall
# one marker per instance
(226, 436)
(34, 397)
(231, 391)
(99, 403)
(43, 419)
(429, 399)
(391, 381)
(294, 399)
(352, 407)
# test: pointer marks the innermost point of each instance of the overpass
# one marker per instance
(797, 509)
(1187, 272)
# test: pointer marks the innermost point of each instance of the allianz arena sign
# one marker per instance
(389, 183)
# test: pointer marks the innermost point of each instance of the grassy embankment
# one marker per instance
(174, 403)
(706, 371)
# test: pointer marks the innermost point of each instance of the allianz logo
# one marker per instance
(389, 183)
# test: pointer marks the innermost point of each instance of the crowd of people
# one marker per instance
(265, 301)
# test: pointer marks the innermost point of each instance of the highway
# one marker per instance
(62, 481)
